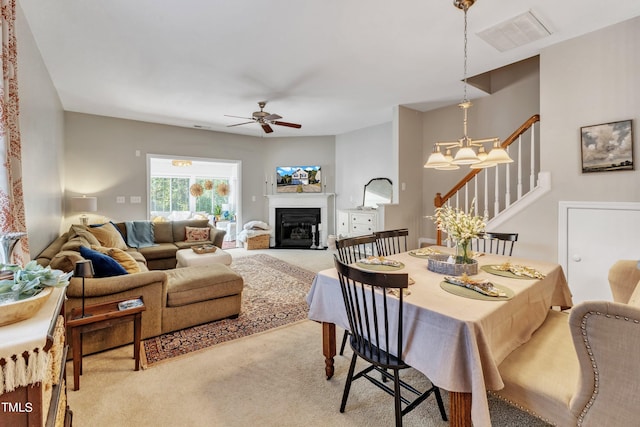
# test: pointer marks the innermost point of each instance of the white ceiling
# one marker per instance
(334, 66)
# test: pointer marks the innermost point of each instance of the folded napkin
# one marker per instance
(379, 260)
(482, 286)
(519, 270)
(426, 251)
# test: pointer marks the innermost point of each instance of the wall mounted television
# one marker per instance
(299, 179)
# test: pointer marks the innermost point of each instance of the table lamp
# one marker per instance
(84, 204)
(83, 269)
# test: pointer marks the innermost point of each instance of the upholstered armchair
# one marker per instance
(582, 369)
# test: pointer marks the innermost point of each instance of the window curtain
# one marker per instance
(12, 217)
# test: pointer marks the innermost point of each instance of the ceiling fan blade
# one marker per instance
(272, 117)
(240, 124)
(239, 117)
(266, 128)
(291, 125)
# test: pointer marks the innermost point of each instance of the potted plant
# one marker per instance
(217, 211)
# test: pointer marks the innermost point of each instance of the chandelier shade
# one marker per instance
(469, 151)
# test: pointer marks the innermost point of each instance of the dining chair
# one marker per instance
(495, 243)
(350, 250)
(374, 303)
(391, 242)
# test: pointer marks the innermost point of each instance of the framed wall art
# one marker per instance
(607, 147)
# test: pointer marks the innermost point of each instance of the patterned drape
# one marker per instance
(12, 217)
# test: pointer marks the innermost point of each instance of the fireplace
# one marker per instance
(297, 228)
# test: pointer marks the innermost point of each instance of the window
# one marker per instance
(169, 194)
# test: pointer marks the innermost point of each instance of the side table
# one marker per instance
(101, 316)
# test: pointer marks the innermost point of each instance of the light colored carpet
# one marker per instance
(274, 378)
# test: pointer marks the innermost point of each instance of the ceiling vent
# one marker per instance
(515, 32)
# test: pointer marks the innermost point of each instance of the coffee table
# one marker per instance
(101, 316)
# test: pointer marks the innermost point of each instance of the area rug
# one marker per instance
(274, 295)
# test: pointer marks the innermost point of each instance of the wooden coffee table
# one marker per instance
(101, 316)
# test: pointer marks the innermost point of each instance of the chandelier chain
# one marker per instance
(465, 56)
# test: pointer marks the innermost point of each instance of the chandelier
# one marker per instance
(469, 151)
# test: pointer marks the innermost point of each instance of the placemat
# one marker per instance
(380, 267)
(470, 293)
(504, 273)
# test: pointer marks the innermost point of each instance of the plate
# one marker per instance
(380, 267)
(504, 273)
(470, 293)
(20, 310)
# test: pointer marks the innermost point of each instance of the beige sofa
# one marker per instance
(174, 298)
(581, 369)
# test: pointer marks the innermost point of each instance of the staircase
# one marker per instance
(502, 191)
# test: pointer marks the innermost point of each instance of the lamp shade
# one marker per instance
(84, 204)
(465, 156)
(498, 155)
(83, 269)
(436, 159)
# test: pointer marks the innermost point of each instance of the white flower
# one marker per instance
(459, 225)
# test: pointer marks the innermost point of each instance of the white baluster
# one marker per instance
(532, 176)
(496, 203)
(519, 167)
(475, 192)
(486, 193)
(507, 194)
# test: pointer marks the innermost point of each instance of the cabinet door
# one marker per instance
(343, 223)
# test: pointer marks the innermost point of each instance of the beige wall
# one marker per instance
(42, 132)
(585, 81)
(101, 160)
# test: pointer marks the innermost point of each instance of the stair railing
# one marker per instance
(470, 188)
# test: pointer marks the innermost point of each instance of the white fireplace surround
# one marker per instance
(304, 200)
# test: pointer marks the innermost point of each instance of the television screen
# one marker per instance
(299, 179)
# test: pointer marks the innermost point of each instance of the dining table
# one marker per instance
(455, 336)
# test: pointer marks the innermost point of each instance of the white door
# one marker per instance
(598, 235)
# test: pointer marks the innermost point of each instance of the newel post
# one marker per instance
(437, 202)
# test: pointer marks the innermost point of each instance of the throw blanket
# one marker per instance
(139, 234)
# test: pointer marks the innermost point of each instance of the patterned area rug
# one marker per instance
(274, 295)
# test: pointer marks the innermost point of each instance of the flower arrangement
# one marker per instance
(208, 185)
(30, 280)
(460, 227)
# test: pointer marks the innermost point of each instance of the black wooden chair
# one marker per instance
(374, 304)
(350, 250)
(495, 243)
(391, 242)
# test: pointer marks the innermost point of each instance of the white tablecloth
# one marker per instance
(458, 342)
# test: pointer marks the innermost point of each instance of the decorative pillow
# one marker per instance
(103, 265)
(74, 243)
(125, 259)
(78, 230)
(256, 225)
(196, 234)
(65, 260)
(108, 236)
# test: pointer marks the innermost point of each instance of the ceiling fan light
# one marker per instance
(498, 155)
(465, 156)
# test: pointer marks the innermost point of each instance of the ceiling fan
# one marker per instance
(264, 119)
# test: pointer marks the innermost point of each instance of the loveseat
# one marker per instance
(175, 298)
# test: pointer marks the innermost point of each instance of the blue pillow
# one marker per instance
(103, 265)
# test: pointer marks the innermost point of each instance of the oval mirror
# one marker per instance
(377, 191)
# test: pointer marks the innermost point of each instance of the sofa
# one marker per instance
(175, 298)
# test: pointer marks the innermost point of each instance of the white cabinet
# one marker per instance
(356, 222)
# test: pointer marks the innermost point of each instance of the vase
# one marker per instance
(463, 252)
(7, 244)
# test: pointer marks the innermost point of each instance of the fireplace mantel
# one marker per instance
(301, 200)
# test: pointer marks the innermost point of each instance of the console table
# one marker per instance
(33, 352)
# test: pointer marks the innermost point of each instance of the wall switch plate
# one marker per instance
(120, 199)
(135, 199)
